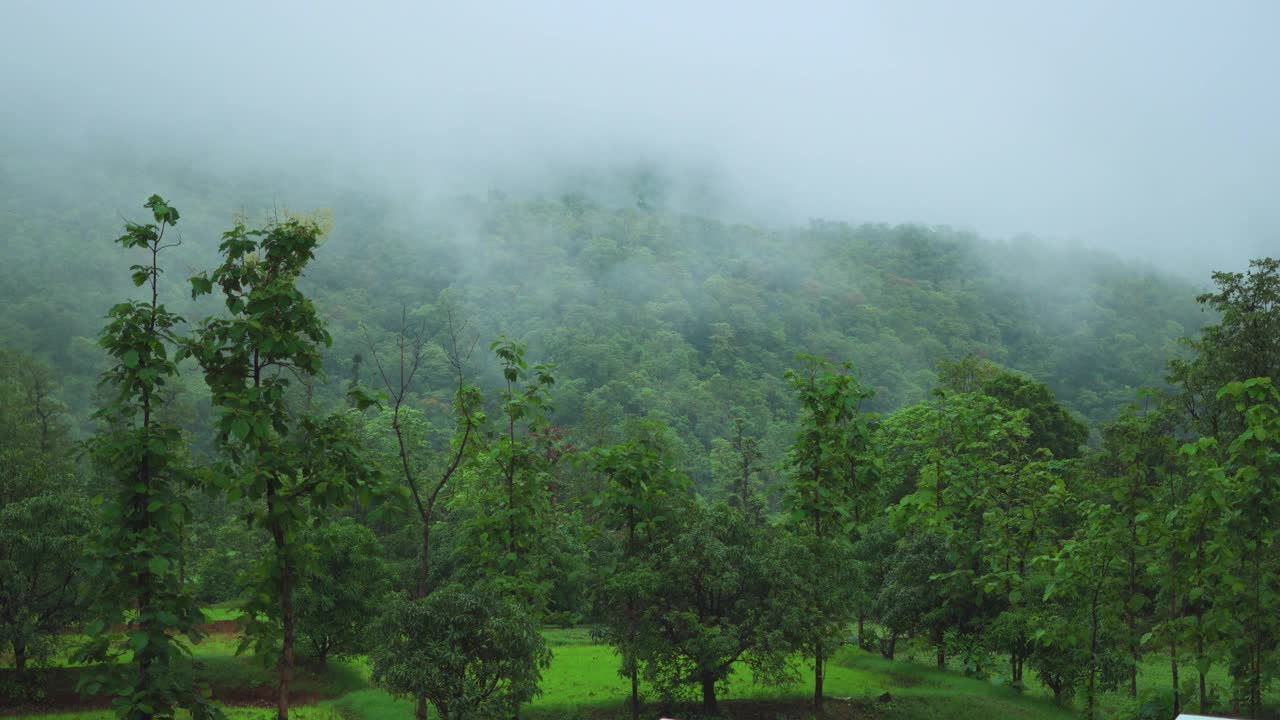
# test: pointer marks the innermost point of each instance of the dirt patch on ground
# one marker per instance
(264, 696)
(217, 627)
(54, 690)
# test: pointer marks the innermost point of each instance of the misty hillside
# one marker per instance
(608, 361)
(645, 312)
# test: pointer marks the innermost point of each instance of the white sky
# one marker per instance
(1152, 128)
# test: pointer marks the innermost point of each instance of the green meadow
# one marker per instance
(582, 683)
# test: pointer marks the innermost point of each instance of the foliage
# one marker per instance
(288, 467)
(1052, 427)
(134, 561)
(737, 466)
(1243, 475)
(1079, 642)
(343, 583)
(685, 319)
(511, 513)
(907, 599)
(834, 473)
(223, 557)
(34, 447)
(474, 653)
(41, 540)
(1244, 344)
(639, 501)
(718, 590)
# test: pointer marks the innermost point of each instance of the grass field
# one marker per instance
(582, 684)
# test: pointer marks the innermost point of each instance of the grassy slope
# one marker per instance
(583, 683)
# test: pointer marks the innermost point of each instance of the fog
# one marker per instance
(1148, 128)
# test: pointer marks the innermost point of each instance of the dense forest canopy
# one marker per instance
(646, 312)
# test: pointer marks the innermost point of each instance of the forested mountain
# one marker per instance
(631, 361)
(374, 425)
(646, 312)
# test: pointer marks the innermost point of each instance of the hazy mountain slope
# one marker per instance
(645, 312)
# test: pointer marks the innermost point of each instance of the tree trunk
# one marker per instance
(424, 578)
(1093, 674)
(1093, 656)
(1173, 665)
(887, 651)
(862, 645)
(1131, 617)
(635, 692)
(817, 679)
(286, 654)
(285, 665)
(1204, 690)
(1255, 679)
(942, 658)
(424, 565)
(1133, 673)
(182, 557)
(147, 658)
(709, 705)
(20, 655)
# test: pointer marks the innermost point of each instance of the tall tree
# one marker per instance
(742, 461)
(971, 459)
(1191, 540)
(1247, 534)
(1131, 468)
(1079, 637)
(287, 466)
(398, 382)
(135, 559)
(641, 487)
(512, 520)
(834, 472)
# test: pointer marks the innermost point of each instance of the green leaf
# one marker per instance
(158, 565)
(130, 358)
(240, 429)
